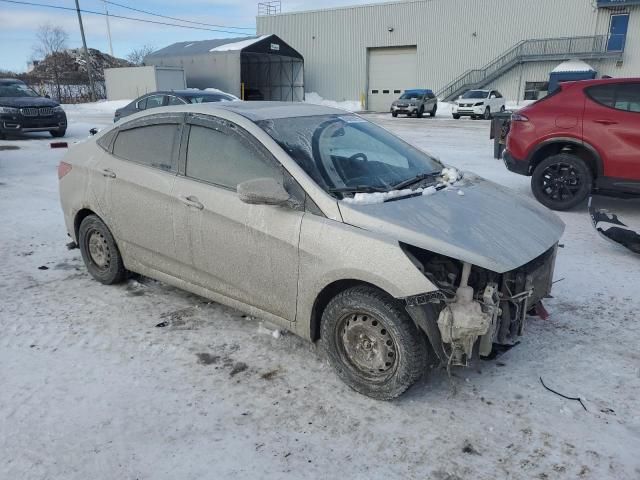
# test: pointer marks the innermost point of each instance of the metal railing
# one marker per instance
(597, 46)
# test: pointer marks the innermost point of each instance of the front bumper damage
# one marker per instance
(484, 311)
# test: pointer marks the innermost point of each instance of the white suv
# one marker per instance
(478, 103)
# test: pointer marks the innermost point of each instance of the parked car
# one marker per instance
(584, 137)
(316, 220)
(415, 102)
(172, 97)
(23, 110)
(478, 104)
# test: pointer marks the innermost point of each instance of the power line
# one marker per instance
(33, 4)
(174, 18)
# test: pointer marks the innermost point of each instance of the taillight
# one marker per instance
(63, 169)
(518, 117)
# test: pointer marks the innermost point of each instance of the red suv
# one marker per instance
(583, 137)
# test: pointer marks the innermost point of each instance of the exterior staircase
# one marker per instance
(547, 49)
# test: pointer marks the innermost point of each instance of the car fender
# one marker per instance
(571, 140)
(332, 251)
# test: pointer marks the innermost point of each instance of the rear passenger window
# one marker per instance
(225, 158)
(149, 145)
(628, 97)
(603, 94)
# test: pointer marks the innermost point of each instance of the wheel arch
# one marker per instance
(79, 217)
(556, 145)
(324, 297)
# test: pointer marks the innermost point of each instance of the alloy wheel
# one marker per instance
(560, 182)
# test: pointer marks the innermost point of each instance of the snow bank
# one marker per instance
(100, 107)
(448, 177)
(315, 99)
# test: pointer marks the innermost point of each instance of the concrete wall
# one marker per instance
(452, 36)
(132, 82)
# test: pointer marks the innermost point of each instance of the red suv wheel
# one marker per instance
(562, 181)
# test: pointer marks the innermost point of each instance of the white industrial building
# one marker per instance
(373, 52)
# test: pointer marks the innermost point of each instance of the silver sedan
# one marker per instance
(318, 221)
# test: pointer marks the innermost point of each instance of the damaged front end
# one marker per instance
(474, 310)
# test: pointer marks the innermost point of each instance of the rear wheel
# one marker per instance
(372, 343)
(100, 252)
(562, 181)
(57, 133)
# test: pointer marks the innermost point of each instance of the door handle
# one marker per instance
(605, 122)
(108, 173)
(191, 201)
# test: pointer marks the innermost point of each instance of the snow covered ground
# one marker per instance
(92, 387)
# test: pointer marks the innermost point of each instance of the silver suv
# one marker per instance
(415, 102)
(316, 220)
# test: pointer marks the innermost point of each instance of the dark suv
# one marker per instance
(584, 137)
(23, 110)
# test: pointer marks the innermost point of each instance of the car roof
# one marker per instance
(11, 80)
(600, 81)
(418, 90)
(254, 111)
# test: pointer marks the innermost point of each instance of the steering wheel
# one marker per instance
(359, 156)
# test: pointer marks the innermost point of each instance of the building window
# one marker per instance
(385, 91)
(535, 90)
(374, 91)
(396, 91)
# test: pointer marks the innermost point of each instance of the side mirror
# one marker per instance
(492, 96)
(262, 191)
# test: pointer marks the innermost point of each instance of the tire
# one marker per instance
(562, 181)
(58, 133)
(100, 252)
(393, 354)
(394, 114)
(487, 114)
(456, 116)
(420, 112)
(433, 111)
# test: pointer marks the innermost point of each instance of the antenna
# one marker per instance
(272, 7)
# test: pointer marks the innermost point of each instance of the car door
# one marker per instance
(248, 253)
(139, 174)
(611, 124)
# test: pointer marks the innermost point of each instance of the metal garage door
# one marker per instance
(391, 71)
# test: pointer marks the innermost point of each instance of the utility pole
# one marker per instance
(86, 54)
(108, 28)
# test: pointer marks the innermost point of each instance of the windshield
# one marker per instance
(345, 151)
(16, 90)
(411, 96)
(475, 94)
(208, 98)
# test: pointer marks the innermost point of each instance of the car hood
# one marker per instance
(19, 102)
(488, 225)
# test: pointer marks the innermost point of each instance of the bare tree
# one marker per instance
(136, 56)
(52, 42)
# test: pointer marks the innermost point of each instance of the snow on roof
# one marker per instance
(573, 66)
(238, 45)
(201, 46)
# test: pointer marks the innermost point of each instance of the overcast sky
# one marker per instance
(19, 23)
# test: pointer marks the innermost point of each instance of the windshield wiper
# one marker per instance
(416, 179)
(356, 189)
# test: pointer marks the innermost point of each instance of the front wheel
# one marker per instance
(487, 114)
(420, 112)
(394, 114)
(456, 116)
(57, 133)
(100, 252)
(562, 181)
(372, 343)
(432, 113)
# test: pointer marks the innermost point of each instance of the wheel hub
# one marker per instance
(560, 181)
(367, 344)
(99, 250)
